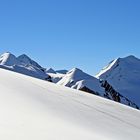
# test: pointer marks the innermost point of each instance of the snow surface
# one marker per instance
(124, 75)
(33, 109)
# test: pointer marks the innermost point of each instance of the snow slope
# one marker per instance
(32, 109)
(124, 75)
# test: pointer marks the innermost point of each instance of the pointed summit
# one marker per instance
(130, 57)
(124, 75)
(8, 59)
(25, 60)
(128, 63)
(74, 70)
(73, 76)
(22, 64)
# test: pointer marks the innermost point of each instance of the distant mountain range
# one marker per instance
(118, 81)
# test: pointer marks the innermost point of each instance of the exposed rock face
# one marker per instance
(112, 94)
(88, 90)
(49, 79)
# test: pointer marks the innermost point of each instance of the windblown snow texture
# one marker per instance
(33, 109)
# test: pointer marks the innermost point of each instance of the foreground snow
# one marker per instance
(32, 109)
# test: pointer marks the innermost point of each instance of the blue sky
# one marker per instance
(71, 33)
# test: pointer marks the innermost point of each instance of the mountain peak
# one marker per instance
(26, 60)
(6, 54)
(123, 75)
(127, 62)
(74, 70)
(73, 76)
(8, 59)
(23, 57)
(130, 58)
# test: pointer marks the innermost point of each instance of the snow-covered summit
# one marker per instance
(8, 59)
(72, 77)
(127, 62)
(131, 57)
(22, 64)
(124, 75)
(25, 60)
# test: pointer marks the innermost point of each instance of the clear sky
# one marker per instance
(71, 33)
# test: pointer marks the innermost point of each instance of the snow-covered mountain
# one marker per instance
(8, 59)
(33, 109)
(78, 79)
(124, 75)
(25, 60)
(73, 76)
(120, 78)
(22, 64)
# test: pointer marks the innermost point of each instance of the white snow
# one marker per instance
(77, 79)
(107, 68)
(124, 75)
(8, 59)
(32, 109)
(93, 84)
(56, 77)
(73, 76)
(25, 60)
(22, 64)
